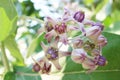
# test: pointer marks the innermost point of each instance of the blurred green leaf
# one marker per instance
(11, 44)
(104, 11)
(27, 77)
(34, 43)
(5, 25)
(26, 73)
(114, 28)
(23, 69)
(88, 2)
(100, 6)
(8, 18)
(115, 15)
(107, 21)
(111, 71)
(9, 76)
(9, 8)
(116, 4)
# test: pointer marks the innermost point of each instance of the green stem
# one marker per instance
(4, 57)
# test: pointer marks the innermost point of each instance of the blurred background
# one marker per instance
(32, 12)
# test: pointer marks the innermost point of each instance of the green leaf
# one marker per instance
(8, 18)
(111, 71)
(26, 73)
(114, 28)
(9, 76)
(11, 44)
(9, 8)
(34, 44)
(5, 25)
(104, 11)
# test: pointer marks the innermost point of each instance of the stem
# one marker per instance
(4, 57)
(32, 18)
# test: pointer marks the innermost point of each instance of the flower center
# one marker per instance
(89, 46)
(60, 28)
(52, 53)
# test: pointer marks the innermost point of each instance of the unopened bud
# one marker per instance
(79, 16)
(93, 32)
(36, 67)
(102, 41)
(78, 43)
(101, 61)
(89, 64)
(95, 52)
(98, 24)
(78, 55)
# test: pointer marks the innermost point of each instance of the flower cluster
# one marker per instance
(86, 46)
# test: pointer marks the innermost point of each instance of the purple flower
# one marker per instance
(53, 54)
(86, 47)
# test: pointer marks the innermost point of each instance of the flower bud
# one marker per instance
(98, 24)
(77, 43)
(78, 55)
(101, 41)
(101, 61)
(79, 16)
(93, 32)
(36, 67)
(95, 52)
(89, 64)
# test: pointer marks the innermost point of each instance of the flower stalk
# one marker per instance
(4, 57)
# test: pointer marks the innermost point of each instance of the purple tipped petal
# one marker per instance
(98, 24)
(101, 61)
